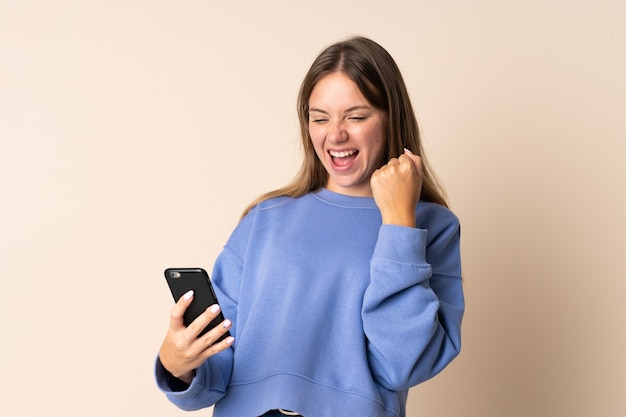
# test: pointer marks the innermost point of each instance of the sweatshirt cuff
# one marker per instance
(169, 384)
(401, 244)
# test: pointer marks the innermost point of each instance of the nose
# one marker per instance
(336, 132)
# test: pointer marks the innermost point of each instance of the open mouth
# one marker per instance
(343, 158)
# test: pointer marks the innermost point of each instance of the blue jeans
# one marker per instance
(274, 413)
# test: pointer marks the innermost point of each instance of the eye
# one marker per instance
(318, 120)
(357, 118)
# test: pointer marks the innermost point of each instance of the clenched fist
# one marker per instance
(397, 187)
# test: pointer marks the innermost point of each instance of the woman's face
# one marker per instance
(348, 134)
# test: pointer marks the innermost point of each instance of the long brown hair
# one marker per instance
(378, 78)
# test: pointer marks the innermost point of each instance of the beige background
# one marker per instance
(133, 132)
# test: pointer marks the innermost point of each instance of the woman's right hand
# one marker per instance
(182, 351)
(396, 188)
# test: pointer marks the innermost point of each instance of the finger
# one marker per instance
(213, 335)
(202, 321)
(214, 348)
(416, 159)
(408, 163)
(177, 312)
(393, 161)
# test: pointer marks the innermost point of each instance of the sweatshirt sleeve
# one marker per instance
(212, 378)
(211, 381)
(413, 306)
(208, 386)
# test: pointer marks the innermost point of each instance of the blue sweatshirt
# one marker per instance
(334, 314)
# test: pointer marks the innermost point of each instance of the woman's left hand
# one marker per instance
(397, 187)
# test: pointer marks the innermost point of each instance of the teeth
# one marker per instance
(342, 154)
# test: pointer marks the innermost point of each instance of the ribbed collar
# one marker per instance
(343, 200)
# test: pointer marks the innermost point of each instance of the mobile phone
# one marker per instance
(181, 280)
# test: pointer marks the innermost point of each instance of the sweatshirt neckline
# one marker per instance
(343, 200)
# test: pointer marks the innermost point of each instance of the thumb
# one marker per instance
(178, 311)
(417, 161)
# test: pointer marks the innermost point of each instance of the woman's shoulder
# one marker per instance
(257, 217)
(267, 207)
(274, 202)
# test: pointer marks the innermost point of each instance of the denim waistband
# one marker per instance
(281, 413)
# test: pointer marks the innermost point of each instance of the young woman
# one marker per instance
(343, 289)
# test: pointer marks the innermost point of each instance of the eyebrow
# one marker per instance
(348, 110)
